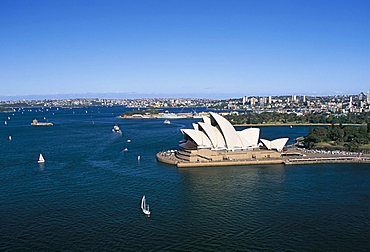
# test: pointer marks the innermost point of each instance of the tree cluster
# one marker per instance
(274, 117)
(141, 112)
(348, 137)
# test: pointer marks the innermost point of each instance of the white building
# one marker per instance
(244, 100)
(253, 101)
(217, 133)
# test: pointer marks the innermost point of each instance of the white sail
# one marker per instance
(41, 159)
(143, 203)
(144, 207)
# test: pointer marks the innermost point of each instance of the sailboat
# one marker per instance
(41, 159)
(116, 129)
(145, 207)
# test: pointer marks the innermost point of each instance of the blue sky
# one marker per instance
(183, 48)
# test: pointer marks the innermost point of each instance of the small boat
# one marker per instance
(145, 207)
(291, 126)
(37, 123)
(116, 129)
(41, 159)
(125, 149)
(10, 138)
(5, 122)
(128, 140)
(138, 158)
(167, 121)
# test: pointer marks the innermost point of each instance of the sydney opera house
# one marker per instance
(216, 140)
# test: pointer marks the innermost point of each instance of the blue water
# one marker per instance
(87, 194)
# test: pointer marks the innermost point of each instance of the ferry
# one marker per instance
(37, 123)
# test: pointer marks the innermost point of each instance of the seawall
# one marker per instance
(171, 159)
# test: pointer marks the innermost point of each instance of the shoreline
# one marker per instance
(303, 158)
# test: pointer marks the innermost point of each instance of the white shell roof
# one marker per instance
(228, 131)
(222, 135)
(249, 137)
(214, 135)
(198, 137)
(206, 119)
(277, 144)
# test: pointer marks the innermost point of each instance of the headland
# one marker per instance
(215, 142)
(156, 114)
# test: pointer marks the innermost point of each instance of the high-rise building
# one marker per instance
(253, 101)
(350, 102)
(270, 99)
(304, 99)
(368, 97)
(244, 100)
(294, 98)
(262, 101)
(361, 96)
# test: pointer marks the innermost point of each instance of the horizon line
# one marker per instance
(135, 95)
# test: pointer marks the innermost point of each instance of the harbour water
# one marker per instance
(87, 194)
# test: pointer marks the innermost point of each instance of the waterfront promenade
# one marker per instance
(291, 157)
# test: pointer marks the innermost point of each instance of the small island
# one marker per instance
(5, 110)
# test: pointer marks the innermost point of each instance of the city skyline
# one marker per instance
(208, 49)
(134, 95)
